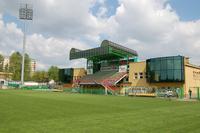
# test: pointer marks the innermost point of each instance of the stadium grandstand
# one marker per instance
(107, 67)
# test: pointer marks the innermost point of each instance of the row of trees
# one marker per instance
(45, 76)
(15, 68)
(1, 62)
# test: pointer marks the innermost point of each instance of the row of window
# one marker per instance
(140, 75)
(196, 75)
(166, 69)
(165, 63)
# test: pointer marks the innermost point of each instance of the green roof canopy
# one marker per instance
(107, 50)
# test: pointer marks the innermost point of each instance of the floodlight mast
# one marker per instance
(25, 13)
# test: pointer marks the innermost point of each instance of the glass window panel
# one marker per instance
(157, 76)
(177, 75)
(169, 63)
(152, 65)
(157, 64)
(177, 64)
(163, 64)
(163, 75)
(177, 57)
(170, 75)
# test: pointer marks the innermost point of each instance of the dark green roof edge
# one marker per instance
(102, 50)
(115, 45)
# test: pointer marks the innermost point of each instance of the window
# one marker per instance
(165, 69)
(177, 75)
(136, 75)
(146, 75)
(170, 64)
(163, 75)
(177, 64)
(157, 64)
(163, 64)
(170, 75)
(141, 75)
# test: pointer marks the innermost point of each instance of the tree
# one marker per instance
(1, 62)
(53, 73)
(40, 76)
(16, 65)
(6, 69)
(27, 68)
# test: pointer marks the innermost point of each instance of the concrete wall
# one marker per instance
(138, 67)
(192, 79)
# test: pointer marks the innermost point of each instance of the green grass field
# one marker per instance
(53, 112)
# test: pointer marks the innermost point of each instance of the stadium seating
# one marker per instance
(97, 77)
(108, 79)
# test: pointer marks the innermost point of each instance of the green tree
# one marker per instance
(53, 73)
(6, 69)
(40, 76)
(15, 66)
(1, 62)
(27, 68)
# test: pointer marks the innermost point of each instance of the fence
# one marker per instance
(37, 87)
(99, 91)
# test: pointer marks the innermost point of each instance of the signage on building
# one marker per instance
(123, 68)
(89, 71)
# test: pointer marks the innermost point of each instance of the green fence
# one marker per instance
(37, 87)
(85, 91)
(13, 85)
(92, 91)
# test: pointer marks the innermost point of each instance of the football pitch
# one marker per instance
(55, 112)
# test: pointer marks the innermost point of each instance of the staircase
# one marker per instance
(110, 82)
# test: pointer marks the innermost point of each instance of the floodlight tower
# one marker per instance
(25, 13)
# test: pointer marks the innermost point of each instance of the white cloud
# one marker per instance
(52, 51)
(47, 51)
(151, 27)
(154, 29)
(10, 37)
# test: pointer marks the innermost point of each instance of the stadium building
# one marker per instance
(112, 68)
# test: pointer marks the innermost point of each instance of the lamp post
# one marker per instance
(25, 13)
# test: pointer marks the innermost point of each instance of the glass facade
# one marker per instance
(66, 75)
(165, 69)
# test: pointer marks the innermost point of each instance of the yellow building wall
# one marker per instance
(192, 79)
(140, 67)
(5, 75)
(78, 73)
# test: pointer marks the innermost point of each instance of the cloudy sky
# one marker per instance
(151, 27)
